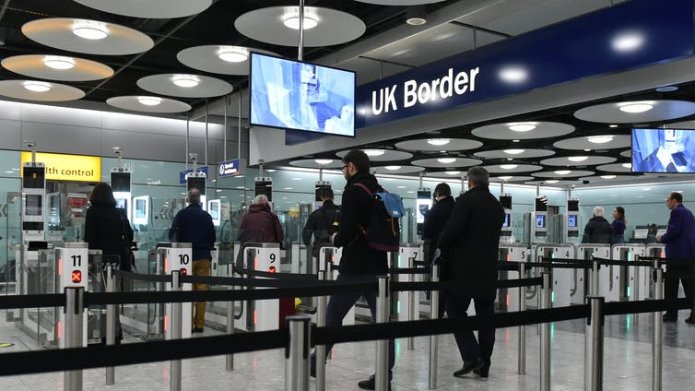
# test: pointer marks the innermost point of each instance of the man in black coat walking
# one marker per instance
(470, 241)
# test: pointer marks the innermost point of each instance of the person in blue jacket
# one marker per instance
(194, 225)
(618, 225)
(680, 252)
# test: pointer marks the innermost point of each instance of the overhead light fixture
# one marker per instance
(513, 74)
(416, 15)
(627, 42)
(90, 29)
(452, 172)
(508, 166)
(296, 178)
(446, 160)
(627, 165)
(577, 159)
(36, 86)
(291, 19)
(563, 172)
(515, 141)
(393, 168)
(59, 62)
(233, 53)
(666, 89)
(552, 181)
(522, 126)
(149, 100)
(636, 107)
(599, 139)
(514, 151)
(438, 141)
(506, 177)
(323, 162)
(374, 152)
(185, 81)
(268, 170)
(607, 176)
(612, 126)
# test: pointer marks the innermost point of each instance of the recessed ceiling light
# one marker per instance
(627, 165)
(627, 42)
(393, 168)
(268, 170)
(599, 139)
(612, 126)
(506, 177)
(401, 187)
(446, 160)
(577, 159)
(185, 81)
(667, 89)
(233, 53)
(286, 188)
(522, 126)
(636, 107)
(323, 162)
(607, 176)
(514, 151)
(563, 172)
(513, 74)
(37, 86)
(452, 172)
(149, 100)
(646, 188)
(296, 179)
(59, 62)
(374, 152)
(508, 166)
(438, 141)
(90, 29)
(291, 20)
(515, 141)
(551, 181)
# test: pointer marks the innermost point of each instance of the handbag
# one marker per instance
(127, 257)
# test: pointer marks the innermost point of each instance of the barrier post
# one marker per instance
(522, 329)
(74, 313)
(545, 334)
(229, 358)
(175, 324)
(381, 376)
(321, 349)
(297, 353)
(434, 314)
(411, 302)
(110, 321)
(657, 338)
(594, 278)
(593, 345)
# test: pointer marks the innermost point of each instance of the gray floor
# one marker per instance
(627, 363)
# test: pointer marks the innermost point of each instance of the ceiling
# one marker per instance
(387, 46)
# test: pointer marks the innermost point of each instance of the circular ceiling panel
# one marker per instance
(148, 104)
(453, 174)
(439, 144)
(511, 168)
(222, 59)
(446, 162)
(159, 9)
(601, 179)
(514, 153)
(87, 36)
(588, 143)
(523, 130)
(57, 67)
(328, 26)
(39, 91)
(562, 174)
(577, 160)
(616, 167)
(397, 169)
(400, 2)
(554, 182)
(381, 155)
(636, 111)
(511, 178)
(627, 153)
(317, 163)
(185, 85)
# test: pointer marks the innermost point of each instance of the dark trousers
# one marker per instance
(339, 306)
(671, 286)
(457, 303)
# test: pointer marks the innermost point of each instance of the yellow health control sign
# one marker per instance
(73, 168)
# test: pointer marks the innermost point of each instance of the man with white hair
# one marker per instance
(598, 229)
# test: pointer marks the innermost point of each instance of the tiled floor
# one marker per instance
(627, 363)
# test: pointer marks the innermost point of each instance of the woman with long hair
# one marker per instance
(618, 225)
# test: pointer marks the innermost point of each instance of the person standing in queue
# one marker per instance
(322, 223)
(618, 225)
(435, 221)
(194, 225)
(260, 224)
(598, 229)
(680, 252)
(470, 241)
(359, 261)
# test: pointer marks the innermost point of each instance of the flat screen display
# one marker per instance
(572, 221)
(661, 231)
(140, 208)
(120, 181)
(663, 150)
(506, 201)
(507, 220)
(540, 221)
(196, 182)
(214, 210)
(122, 203)
(640, 233)
(33, 205)
(301, 96)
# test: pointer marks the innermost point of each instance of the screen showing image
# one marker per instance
(540, 221)
(120, 181)
(640, 233)
(423, 206)
(33, 205)
(661, 231)
(140, 209)
(663, 150)
(506, 201)
(572, 221)
(122, 203)
(507, 220)
(214, 210)
(296, 95)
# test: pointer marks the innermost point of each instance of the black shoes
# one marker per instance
(197, 330)
(670, 318)
(483, 371)
(370, 384)
(470, 366)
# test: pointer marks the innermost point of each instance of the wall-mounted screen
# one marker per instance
(540, 221)
(122, 203)
(571, 221)
(640, 233)
(214, 210)
(506, 201)
(661, 231)
(120, 182)
(33, 205)
(424, 204)
(141, 211)
(507, 220)
(663, 150)
(301, 96)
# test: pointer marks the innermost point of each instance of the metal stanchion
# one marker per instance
(74, 314)
(593, 345)
(545, 334)
(175, 324)
(381, 376)
(434, 314)
(522, 329)
(229, 358)
(410, 345)
(110, 321)
(594, 278)
(657, 339)
(321, 349)
(297, 353)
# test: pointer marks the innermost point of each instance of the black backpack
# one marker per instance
(384, 231)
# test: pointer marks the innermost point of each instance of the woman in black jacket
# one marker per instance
(436, 219)
(107, 228)
(598, 229)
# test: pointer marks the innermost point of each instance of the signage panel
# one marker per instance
(60, 167)
(229, 168)
(182, 174)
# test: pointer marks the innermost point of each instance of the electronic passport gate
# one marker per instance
(633, 280)
(606, 289)
(329, 260)
(508, 298)
(262, 315)
(409, 301)
(566, 282)
(73, 271)
(178, 256)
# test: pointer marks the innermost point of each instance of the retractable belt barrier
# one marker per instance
(600, 261)
(442, 285)
(278, 275)
(143, 277)
(412, 270)
(32, 301)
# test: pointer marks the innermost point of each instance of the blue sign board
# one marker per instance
(182, 174)
(229, 168)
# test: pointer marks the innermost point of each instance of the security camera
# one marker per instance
(117, 151)
(585, 182)
(29, 143)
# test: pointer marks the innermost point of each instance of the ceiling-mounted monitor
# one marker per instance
(296, 95)
(663, 150)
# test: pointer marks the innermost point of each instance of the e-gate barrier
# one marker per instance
(264, 314)
(565, 282)
(508, 298)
